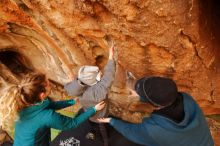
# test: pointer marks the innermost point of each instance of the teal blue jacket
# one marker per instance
(33, 126)
(158, 130)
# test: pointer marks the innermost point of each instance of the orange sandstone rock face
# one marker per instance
(177, 39)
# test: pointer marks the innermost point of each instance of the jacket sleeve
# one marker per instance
(61, 122)
(73, 88)
(98, 92)
(137, 133)
(61, 104)
(109, 73)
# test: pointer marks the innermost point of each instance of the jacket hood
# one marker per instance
(32, 111)
(189, 121)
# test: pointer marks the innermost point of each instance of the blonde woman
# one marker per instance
(28, 104)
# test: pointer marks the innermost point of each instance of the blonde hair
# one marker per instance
(14, 98)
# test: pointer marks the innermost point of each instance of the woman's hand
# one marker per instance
(104, 120)
(100, 106)
(76, 100)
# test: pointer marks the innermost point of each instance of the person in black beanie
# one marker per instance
(161, 93)
(175, 120)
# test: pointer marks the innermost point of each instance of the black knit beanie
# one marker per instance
(158, 91)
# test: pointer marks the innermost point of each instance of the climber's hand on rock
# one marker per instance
(104, 120)
(111, 50)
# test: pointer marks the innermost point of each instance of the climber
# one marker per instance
(91, 89)
(176, 119)
(28, 104)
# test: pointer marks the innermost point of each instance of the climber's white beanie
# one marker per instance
(89, 75)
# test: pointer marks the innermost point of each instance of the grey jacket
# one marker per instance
(91, 95)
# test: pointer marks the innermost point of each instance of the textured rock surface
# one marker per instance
(177, 39)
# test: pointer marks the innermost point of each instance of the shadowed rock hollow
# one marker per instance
(178, 39)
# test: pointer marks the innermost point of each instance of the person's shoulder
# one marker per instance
(47, 112)
(189, 101)
(186, 96)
